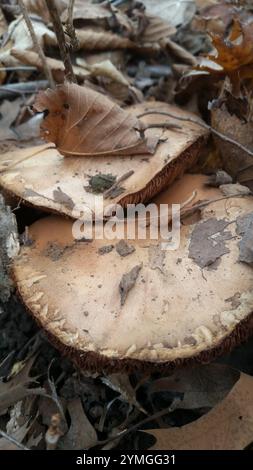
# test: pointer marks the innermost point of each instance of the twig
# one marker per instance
(201, 205)
(163, 125)
(36, 44)
(157, 415)
(21, 160)
(20, 67)
(70, 11)
(70, 30)
(54, 395)
(186, 211)
(201, 124)
(58, 28)
(126, 175)
(13, 440)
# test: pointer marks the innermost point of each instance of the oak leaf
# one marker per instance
(228, 426)
(18, 386)
(81, 121)
(234, 49)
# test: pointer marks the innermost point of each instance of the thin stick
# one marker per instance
(36, 44)
(108, 192)
(163, 125)
(136, 426)
(12, 440)
(70, 11)
(201, 124)
(21, 160)
(20, 67)
(70, 30)
(201, 205)
(58, 28)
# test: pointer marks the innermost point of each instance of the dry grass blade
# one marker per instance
(82, 122)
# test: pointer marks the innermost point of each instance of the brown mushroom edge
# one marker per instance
(95, 362)
(225, 322)
(162, 180)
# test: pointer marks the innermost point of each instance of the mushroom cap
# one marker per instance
(60, 184)
(149, 308)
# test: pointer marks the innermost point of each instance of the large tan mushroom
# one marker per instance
(129, 304)
(44, 178)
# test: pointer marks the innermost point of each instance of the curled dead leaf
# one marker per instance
(233, 50)
(236, 50)
(83, 122)
(93, 39)
(55, 65)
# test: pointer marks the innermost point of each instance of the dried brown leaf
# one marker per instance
(244, 228)
(233, 53)
(13, 441)
(237, 163)
(39, 7)
(201, 386)
(7, 445)
(234, 189)
(55, 65)
(121, 384)
(82, 122)
(19, 36)
(87, 10)
(106, 69)
(15, 430)
(237, 50)
(81, 434)
(175, 12)
(156, 30)
(39, 169)
(93, 39)
(17, 388)
(228, 426)
(8, 112)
